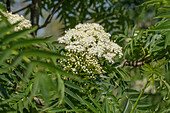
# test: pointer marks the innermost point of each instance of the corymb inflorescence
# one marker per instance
(14, 18)
(86, 43)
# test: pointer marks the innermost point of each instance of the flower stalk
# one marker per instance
(139, 96)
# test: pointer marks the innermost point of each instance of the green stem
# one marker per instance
(139, 97)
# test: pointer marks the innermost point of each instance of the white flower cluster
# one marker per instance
(89, 42)
(82, 63)
(14, 18)
(91, 38)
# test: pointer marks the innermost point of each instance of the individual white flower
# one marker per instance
(14, 18)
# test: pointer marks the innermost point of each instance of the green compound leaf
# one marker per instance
(16, 35)
(96, 104)
(163, 15)
(88, 104)
(69, 92)
(57, 109)
(68, 101)
(42, 53)
(69, 84)
(28, 42)
(167, 40)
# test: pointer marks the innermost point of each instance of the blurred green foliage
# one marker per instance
(31, 79)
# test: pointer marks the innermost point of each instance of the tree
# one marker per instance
(71, 74)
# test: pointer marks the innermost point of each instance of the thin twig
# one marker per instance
(122, 65)
(50, 16)
(8, 5)
(138, 63)
(22, 9)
